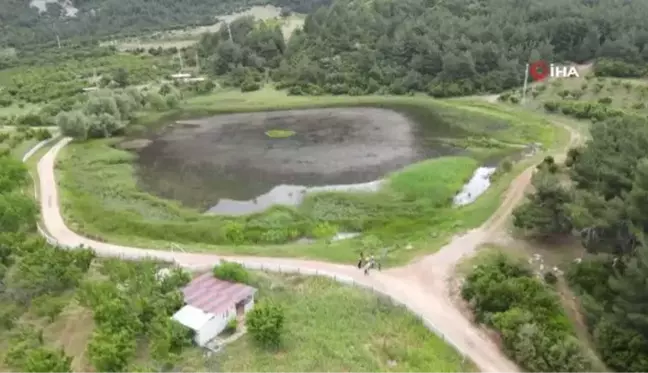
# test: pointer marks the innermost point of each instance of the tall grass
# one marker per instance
(434, 181)
(334, 328)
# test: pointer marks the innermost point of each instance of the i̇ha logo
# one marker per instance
(539, 70)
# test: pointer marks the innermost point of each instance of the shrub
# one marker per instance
(616, 68)
(265, 324)
(324, 231)
(5, 101)
(232, 325)
(550, 277)
(515, 100)
(506, 165)
(605, 100)
(534, 328)
(42, 134)
(230, 271)
(9, 314)
(576, 94)
(250, 85)
(551, 106)
(48, 306)
(234, 232)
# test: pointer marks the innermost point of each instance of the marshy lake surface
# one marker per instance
(230, 157)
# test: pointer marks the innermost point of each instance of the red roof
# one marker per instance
(213, 295)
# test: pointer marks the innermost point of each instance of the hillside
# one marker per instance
(113, 85)
(24, 25)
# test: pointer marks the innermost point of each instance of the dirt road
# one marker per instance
(420, 285)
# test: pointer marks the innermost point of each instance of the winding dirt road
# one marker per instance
(421, 286)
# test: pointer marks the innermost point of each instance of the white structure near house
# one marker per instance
(210, 304)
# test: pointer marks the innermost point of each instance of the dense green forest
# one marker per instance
(601, 195)
(445, 49)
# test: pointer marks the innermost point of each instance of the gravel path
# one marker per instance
(421, 286)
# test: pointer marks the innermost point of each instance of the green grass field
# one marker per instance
(335, 328)
(411, 216)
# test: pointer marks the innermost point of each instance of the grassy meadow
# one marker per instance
(335, 328)
(412, 215)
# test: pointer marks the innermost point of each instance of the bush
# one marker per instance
(265, 324)
(506, 165)
(617, 69)
(535, 330)
(10, 312)
(324, 231)
(605, 100)
(551, 106)
(42, 134)
(230, 271)
(49, 306)
(250, 85)
(232, 325)
(550, 278)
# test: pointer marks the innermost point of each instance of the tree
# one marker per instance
(230, 271)
(325, 231)
(120, 76)
(546, 213)
(168, 338)
(265, 324)
(111, 350)
(74, 124)
(46, 360)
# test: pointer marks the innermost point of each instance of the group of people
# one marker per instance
(367, 264)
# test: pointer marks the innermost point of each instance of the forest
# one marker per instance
(381, 47)
(600, 194)
(444, 49)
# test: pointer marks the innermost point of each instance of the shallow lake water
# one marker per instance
(222, 160)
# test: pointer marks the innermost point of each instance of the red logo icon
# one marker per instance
(539, 70)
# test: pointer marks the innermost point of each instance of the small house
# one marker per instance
(210, 304)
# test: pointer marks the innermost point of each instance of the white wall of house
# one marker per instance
(249, 305)
(214, 326)
(210, 330)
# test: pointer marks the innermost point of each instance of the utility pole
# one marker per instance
(229, 31)
(58, 40)
(181, 63)
(526, 78)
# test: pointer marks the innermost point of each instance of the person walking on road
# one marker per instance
(369, 265)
